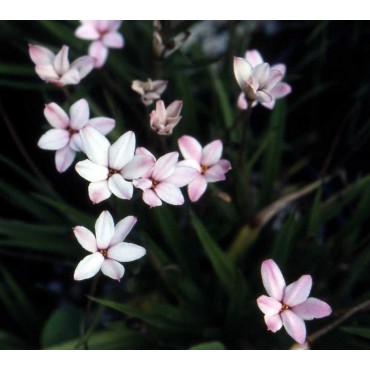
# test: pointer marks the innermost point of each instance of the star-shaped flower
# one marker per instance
(56, 69)
(107, 248)
(163, 120)
(64, 137)
(104, 35)
(110, 166)
(289, 305)
(206, 161)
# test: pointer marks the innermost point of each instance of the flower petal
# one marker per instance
(41, 55)
(151, 198)
(169, 193)
(243, 72)
(182, 176)
(126, 252)
(269, 306)
(174, 109)
(122, 151)
(113, 40)
(75, 142)
(273, 279)
(112, 269)
(103, 124)
(122, 229)
(47, 73)
(212, 153)
(64, 158)
(253, 57)
(312, 308)
(79, 113)
(190, 148)
(281, 68)
(89, 266)
(139, 165)
(274, 323)
(165, 166)
(56, 116)
(280, 90)
(87, 32)
(61, 62)
(294, 326)
(83, 65)
(104, 230)
(298, 291)
(99, 52)
(120, 187)
(86, 238)
(142, 184)
(95, 145)
(91, 171)
(217, 172)
(242, 102)
(71, 77)
(197, 188)
(54, 139)
(99, 191)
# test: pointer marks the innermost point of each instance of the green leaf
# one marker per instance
(209, 346)
(63, 324)
(222, 264)
(362, 332)
(314, 220)
(223, 98)
(9, 341)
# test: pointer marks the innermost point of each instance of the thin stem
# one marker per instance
(244, 134)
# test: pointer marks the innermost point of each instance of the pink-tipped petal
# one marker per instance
(281, 68)
(212, 153)
(122, 151)
(216, 173)
(61, 62)
(139, 165)
(197, 188)
(273, 279)
(75, 142)
(243, 72)
(71, 77)
(47, 73)
(270, 105)
(83, 65)
(103, 124)
(298, 291)
(274, 78)
(126, 252)
(190, 148)
(182, 176)
(113, 40)
(142, 150)
(54, 139)
(274, 323)
(79, 113)
(64, 158)
(142, 184)
(294, 326)
(261, 72)
(242, 102)
(41, 55)
(312, 308)
(95, 145)
(91, 171)
(56, 116)
(86, 238)
(174, 109)
(104, 229)
(159, 115)
(169, 193)
(254, 57)
(120, 187)
(122, 229)
(87, 32)
(165, 166)
(99, 191)
(269, 306)
(99, 52)
(89, 266)
(112, 269)
(264, 96)
(280, 90)
(151, 198)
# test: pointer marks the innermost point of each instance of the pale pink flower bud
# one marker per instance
(150, 91)
(163, 120)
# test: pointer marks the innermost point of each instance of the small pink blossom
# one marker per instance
(164, 180)
(289, 305)
(108, 167)
(107, 248)
(149, 90)
(260, 82)
(206, 161)
(56, 69)
(64, 136)
(104, 36)
(163, 120)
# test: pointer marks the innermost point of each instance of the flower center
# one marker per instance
(111, 172)
(284, 308)
(154, 184)
(203, 169)
(71, 131)
(104, 252)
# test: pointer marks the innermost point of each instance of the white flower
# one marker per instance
(107, 248)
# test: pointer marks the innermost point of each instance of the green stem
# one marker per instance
(244, 134)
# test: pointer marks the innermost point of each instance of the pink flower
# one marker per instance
(164, 120)
(163, 181)
(207, 162)
(260, 82)
(289, 305)
(149, 90)
(56, 68)
(104, 36)
(64, 137)
(107, 248)
(110, 166)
